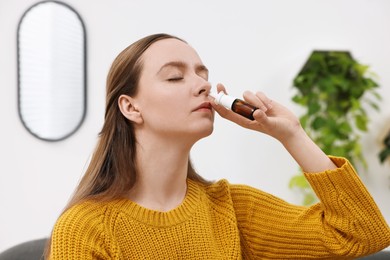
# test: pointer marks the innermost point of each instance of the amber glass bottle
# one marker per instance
(235, 104)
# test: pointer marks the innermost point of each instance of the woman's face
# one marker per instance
(173, 92)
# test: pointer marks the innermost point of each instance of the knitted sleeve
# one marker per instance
(346, 223)
(79, 234)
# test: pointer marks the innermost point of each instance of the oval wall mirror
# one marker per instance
(51, 70)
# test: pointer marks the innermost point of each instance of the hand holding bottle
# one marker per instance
(270, 118)
(275, 120)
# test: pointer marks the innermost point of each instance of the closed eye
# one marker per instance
(175, 79)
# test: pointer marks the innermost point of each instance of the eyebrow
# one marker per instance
(182, 65)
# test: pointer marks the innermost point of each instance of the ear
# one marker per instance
(127, 106)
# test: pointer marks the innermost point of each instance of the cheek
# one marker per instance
(159, 102)
(165, 109)
(165, 119)
(164, 101)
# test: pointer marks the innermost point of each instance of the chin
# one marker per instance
(200, 129)
(206, 132)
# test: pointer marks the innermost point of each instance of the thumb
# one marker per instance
(221, 88)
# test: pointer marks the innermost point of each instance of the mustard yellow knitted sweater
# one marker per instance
(225, 221)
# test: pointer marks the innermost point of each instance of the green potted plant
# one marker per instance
(335, 91)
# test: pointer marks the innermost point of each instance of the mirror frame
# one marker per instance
(84, 66)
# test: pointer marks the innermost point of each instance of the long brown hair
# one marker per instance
(112, 170)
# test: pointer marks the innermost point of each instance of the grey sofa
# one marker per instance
(30, 250)
(33, 250)
(385, 254)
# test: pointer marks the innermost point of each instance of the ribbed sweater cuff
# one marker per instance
(342, 179)
(341, 192)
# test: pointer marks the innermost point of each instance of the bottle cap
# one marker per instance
(223, 99)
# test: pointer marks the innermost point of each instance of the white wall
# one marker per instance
(256, 45)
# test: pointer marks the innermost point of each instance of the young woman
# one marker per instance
(141, 199)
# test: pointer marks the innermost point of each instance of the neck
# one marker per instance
(162, 174)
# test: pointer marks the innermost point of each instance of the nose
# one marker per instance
(203, 87)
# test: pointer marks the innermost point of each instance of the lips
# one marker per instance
(204, 105)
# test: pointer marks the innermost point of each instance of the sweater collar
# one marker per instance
(173, 217)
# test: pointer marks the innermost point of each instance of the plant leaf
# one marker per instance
(361, 122)
(383, 155)
(299, 181)
(314, 107)
(309, 199)
(318, 123)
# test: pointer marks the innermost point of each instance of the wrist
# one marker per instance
(306, 153)
(295, 137)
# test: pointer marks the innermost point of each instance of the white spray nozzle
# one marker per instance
(216, 96)
(223, 99)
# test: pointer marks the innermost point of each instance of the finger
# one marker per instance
(261, 117)
(254, 100)
(221, 87)
(266, 101)
(230, 115)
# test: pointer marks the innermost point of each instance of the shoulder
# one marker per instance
(223, 191)
(86, 210)
(220, 186)
(223, 188)
(85, 217)
(83, 231)
(219, 190)
(241, 197)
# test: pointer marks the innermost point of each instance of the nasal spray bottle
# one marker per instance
(235, 104)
